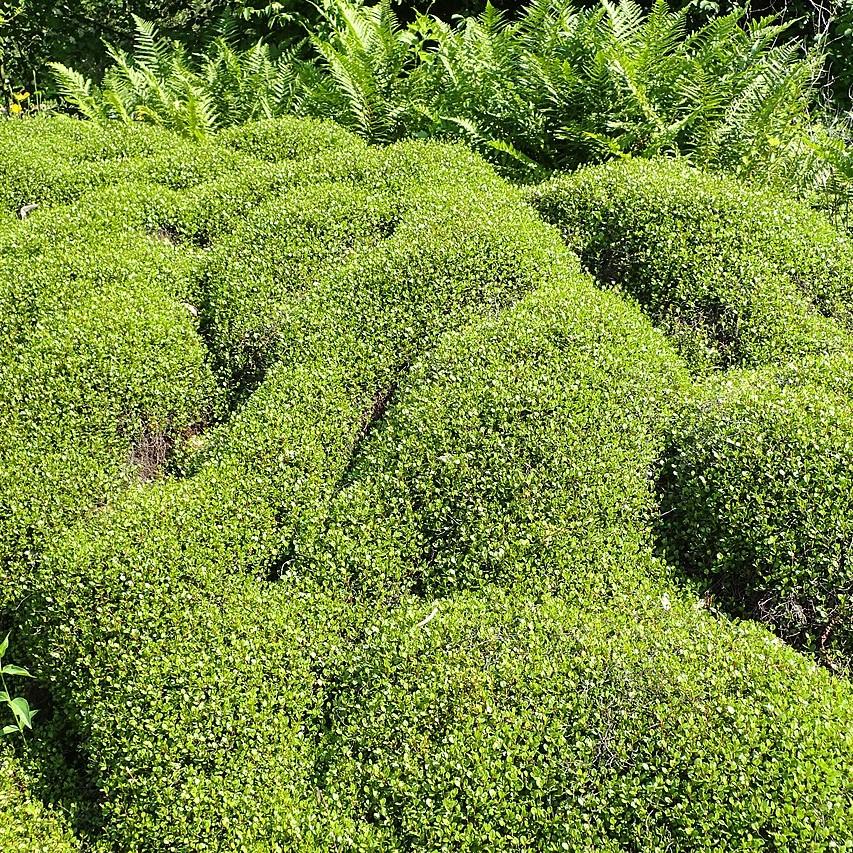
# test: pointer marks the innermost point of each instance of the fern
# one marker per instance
(558, 87)
(74, 88)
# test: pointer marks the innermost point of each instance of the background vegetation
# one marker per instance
(37, 32)
(550, 88)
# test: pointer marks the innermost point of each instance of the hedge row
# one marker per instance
(525, 435)
(634, 722)
(127, 585)
(425, 395)
(104, 370)
(50, 162)
(166, 665)
(754, 485)
(738, 276)
(89, 392)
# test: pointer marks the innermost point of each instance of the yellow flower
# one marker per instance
(15, 109)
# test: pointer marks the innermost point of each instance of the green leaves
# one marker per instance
(11, 669)
(555, 88)
(22, 711)
(18, 705)
(433, 419)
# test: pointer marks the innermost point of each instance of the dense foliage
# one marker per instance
(739, 276)
(328, 473)
(556, 87)
(755, 478)
(756, 491)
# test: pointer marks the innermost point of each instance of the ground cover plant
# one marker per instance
(346, 511)
(754, 480)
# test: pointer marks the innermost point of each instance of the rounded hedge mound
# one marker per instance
(757, 500)
(739, 276)
(524, 434)
(636, 723)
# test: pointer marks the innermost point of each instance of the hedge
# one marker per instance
(756, 489)
(638, 722)
(26, 825)
(54, 161)
(152, 571)
(739, 276)
(102, 363)
(288, 138)
(525, 434)
(397, 340)
(101, 351)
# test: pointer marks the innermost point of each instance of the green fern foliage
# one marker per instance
(160, 84)
(556, 87)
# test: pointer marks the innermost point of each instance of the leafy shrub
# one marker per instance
(27, 826)
(756, 500)
(634, 722)
(104, 371)
(17, 706)
(524, 435)
(55, 161)
(201, 664)
(739, 276)
(154, 555)
(290, 139)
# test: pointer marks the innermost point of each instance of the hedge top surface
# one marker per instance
(377, 373)
(638, 722)
(741, 276)
(757, 501)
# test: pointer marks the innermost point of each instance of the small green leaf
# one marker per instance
(11, 669)
(4, 645)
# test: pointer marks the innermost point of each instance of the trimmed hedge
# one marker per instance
(102, 367)
(637, 722)
(739, 276)
(288, 138)
(101, 351)
(27, 826)
(754, 486)
(55, 161)
(525, 434)
(412, 365)
(147, 568)
(757, 500)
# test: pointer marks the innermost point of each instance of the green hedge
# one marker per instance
(92, 396)
(54, 161)
(422, 392)
(739, 276)
(525, 434)
(98, 303)
(289, 138)
(757, 500)
(26, 825)
(754, 484)
(635, 722)
(155, 567)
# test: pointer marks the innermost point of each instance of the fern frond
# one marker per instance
(77, 90)
(149, 50)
